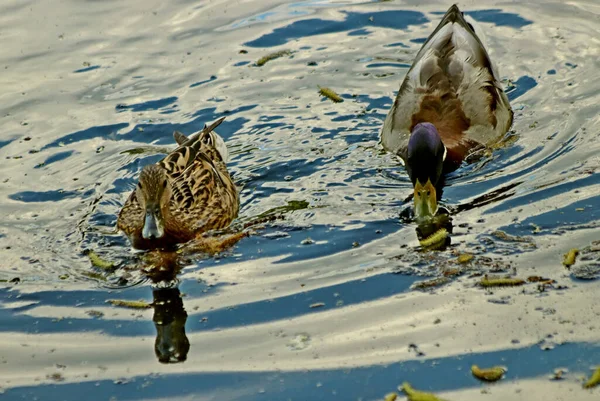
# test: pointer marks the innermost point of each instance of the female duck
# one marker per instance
(183, 195)
(450, 102)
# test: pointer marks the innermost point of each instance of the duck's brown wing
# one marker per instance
(199, 179)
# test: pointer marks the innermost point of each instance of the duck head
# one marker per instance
(424, 163)
(153, 193)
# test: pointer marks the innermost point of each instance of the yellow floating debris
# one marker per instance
(465, 258)
(594, 380)
(503, 236)
(540, 279)
(435, 239)
(488, 281)
(263, 60)
(432, 283)
(391, 397)
(97, 261)
(330, 94)
(490, 374)
(415, 395)
(570, 257)
(451, 272)
(129, 304)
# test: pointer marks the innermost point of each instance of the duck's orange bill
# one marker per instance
(425, 200)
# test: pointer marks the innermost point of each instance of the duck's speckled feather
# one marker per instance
(454, 85)
(203, 194)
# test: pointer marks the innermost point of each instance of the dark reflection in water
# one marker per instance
(172, 344)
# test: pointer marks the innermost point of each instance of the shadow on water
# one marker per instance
(353, 22)
(443, 374)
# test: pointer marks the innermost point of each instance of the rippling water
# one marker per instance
(323, 303)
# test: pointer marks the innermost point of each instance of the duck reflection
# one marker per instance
(172, 344)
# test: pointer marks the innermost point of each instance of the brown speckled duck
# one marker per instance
(450, 102)
(183, 195)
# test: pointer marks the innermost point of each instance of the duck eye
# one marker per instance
(164, 183)
(139, 185)
(428, 193)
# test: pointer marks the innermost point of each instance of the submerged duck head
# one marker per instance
(425, 160)
(153, 193)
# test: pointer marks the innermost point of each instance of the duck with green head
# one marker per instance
(450, 103)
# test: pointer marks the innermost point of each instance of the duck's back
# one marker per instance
(454, 85)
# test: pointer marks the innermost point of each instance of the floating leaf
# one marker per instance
(415, 395)
(594, 380)
(490, 374)
(97, 261)
(391, 397)
(488, 281)
(263, 60)
(570, 257)
(435, 239)
(330, 94)
(129, 304)
(465, 258)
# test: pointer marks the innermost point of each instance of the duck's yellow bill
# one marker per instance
(425, 200)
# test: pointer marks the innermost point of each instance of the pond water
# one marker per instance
(323, 303)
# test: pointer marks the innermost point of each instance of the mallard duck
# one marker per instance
(183, 195)
(450, 102)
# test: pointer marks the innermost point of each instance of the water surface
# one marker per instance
(92, 91)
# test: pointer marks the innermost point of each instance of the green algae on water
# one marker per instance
(491, 281)
(570, 257)
(390, 397)
(129, 304)
(594, 380)
(428, 284)
(437, 238)
(415, 395)
(490, 374)
(465, 258)
(330, 94)
(503, 236)
(272, 56)
(97, 261)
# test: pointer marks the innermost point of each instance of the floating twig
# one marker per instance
(594, 380)
(487, 281)
(434, 239)
(265, 59)
(97, 261)
(490, 374)
(415, 395)
(330, 94)
(129, 304)
(570, 257)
